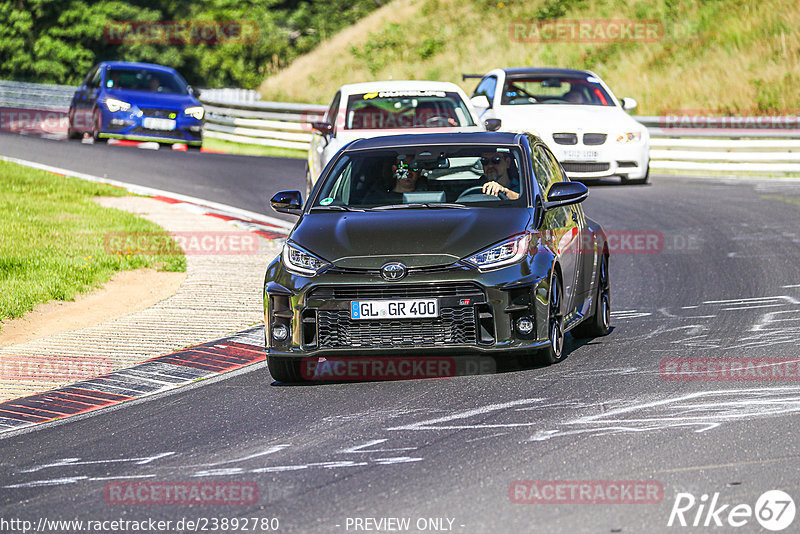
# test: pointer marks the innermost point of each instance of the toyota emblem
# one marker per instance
(394, 271)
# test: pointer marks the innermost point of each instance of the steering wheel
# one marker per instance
(524, 92)
(479, 189)
(438, 120)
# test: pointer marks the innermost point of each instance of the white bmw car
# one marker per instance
(374, 109)
(577, 116)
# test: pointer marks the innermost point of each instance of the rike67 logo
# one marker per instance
(774, 510)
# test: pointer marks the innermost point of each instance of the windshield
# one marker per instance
(406, 109)
(149, 81)
(428, 177)
(555, 90)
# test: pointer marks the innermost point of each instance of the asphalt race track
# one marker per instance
(720, 282)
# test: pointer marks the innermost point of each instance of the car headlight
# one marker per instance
(506, 253)
(117, 105)
(299, 261)
(196, 111)
(629, 137)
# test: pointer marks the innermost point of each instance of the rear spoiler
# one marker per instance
(466, 76)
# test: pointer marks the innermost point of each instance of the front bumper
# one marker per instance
(130, 125)
(609, 159)
(478, 312)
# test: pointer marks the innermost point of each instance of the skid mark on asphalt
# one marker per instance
(774, 320)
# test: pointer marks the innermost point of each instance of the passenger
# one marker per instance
(501, 175)
(574, 96)
(404, 179)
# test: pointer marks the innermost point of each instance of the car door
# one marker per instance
(565, 225)
(81, 110)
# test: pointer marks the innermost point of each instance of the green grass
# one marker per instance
(53, 239)
(710, 55)
(252, 150)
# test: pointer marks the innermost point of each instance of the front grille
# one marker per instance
(172, 134)
(565, 138)
(627, 164)
(577, 166)
(399, 291)
(153, 112)
(594, 138)
(454, 326)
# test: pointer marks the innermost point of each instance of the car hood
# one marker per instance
(154, 100)
(417, 237)
(546, 119)
(346, 136)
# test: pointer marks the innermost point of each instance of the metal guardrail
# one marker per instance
(238, 115)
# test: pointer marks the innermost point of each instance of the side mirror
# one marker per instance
(492, 125)
(325, 128)
(629, 104)
(290, 202)
(480, 101)
(564, 194)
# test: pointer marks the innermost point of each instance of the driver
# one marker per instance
(498, 171)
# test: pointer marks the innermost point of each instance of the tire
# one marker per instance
(638, 181)
(554, 352)
(599, 323)
(97, 124)
(71, 133)
(286, 370)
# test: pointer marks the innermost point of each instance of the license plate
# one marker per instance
(153, 123)
(579, 155)
(394, 309)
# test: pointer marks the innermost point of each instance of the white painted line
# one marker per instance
(149, 191)
(741, 300)
(793, 285)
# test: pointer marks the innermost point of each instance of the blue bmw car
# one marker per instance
(136, 101)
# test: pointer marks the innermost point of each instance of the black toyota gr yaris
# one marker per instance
(436, 244)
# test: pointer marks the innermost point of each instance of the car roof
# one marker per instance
(527, 71)
(476, 138)
(137, 65)
(399, 85)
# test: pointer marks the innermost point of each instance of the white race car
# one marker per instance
(373, 109)
(577, 116)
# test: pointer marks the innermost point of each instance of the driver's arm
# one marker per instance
(494, 189)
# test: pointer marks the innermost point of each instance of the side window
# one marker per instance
(91, 76)
(547, 172)
(543, 169)
(487, 88)
(333, 111)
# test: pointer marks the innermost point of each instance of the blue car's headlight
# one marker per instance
(117, 105)
(506, 253)
(195, 111)
(299, 261)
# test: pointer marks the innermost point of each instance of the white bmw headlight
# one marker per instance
(117, 105)
(506, 253)
(195, 111)
(299, 261)
(629, 137)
